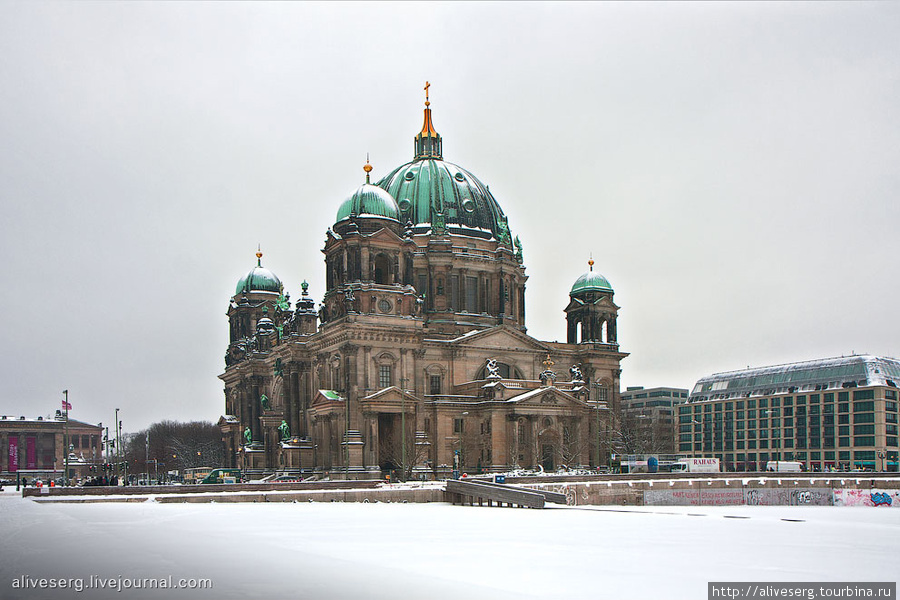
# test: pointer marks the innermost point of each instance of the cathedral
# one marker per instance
(416, 363)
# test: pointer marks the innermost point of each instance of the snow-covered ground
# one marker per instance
(332, 551)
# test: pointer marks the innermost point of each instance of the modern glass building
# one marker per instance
(648, 416)
(834, 413)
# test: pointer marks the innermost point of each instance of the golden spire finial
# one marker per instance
(367, 168)
(258, 255)
(547, 362)
(427, 85)
(591, 263)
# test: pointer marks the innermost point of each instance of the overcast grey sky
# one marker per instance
(733, 168)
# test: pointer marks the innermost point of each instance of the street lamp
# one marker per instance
(882, 455)
(66, 437)
(402, 430)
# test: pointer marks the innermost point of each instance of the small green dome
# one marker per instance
(369, 201)
(259, 279)
(590, 282)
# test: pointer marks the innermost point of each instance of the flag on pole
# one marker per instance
(66, 405)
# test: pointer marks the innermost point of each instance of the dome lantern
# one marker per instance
(428, 141)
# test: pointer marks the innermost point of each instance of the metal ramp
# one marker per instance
(496, 494)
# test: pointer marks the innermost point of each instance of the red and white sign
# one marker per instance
(13, 454)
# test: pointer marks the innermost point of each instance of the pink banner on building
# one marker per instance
(13, 454)
(30, 452)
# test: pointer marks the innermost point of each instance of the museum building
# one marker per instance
(833, 413)
(35, 448)
(417, 361)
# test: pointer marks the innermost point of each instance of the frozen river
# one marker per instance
(361, 551)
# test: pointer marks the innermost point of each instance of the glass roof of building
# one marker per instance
(812, 375)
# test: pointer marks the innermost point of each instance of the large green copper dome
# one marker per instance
(429, 187)
(436, 194)
(590, 282)
(369, 201)
(259, 279)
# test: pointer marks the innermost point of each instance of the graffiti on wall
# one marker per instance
(672, 497)
(788, 497)
(871, 497)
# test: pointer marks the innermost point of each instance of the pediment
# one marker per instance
(390, 394)
(384, 235)
(602, 303)
(326, 398)
(548, 396)
(389, 400)
(501, 337)
(227, 421)
(605, 302)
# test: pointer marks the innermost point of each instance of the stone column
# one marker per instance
(352, 437)
(365, 271)
(294, 394)
(255, 413)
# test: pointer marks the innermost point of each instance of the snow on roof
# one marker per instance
(824, 373)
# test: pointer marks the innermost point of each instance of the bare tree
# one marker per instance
(391, 451)
(173, 445)
(574, 445)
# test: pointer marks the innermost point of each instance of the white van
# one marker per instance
(784, 466)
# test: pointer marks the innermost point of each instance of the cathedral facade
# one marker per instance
(416, 361)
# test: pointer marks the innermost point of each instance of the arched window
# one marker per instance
(506, 372)
(383, 271)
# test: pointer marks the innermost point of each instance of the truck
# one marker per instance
(696, 465)
(223, 476)
(784, 466)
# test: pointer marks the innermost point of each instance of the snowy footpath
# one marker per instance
(335, 551)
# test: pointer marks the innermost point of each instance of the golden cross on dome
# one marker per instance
(427, 85)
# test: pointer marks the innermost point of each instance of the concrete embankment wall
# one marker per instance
(384, 495)
(143, 490)
(720, 489)
(760, 491)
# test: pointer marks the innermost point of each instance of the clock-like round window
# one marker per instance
(385, 306)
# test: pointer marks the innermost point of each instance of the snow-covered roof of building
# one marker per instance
(811, 375)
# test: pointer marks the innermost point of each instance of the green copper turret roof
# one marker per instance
(368, 201)
(590, 282)
(259, 279)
